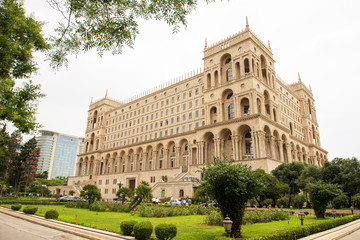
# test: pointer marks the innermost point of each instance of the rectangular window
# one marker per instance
(184, 106)
(184, 95)
(190, 115)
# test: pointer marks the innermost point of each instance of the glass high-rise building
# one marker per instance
(58, 153)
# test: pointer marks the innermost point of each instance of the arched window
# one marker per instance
(208, 81)
(291, 129)
(228, 60)
(247, 66)
(231, 111)
(229, 74)
(229, 96)
(248, 144)
(181, 193)
(274, 113)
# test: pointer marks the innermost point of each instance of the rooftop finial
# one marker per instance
(247, 24)
(299, 78)
(205, 42)
(91, 100)
(269, 44)
(106, 95)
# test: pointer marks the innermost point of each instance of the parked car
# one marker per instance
(71, 199)
(211, 203)
(173, 202)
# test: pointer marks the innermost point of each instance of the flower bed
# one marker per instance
(173, 210)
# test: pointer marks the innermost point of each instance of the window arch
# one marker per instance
(247, 66)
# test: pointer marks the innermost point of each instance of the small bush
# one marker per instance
(52, 214)
(268, 202)
(16, 207)
(284, 201)
(30, 210)
(340, 201)
(214, 218)
(306, 213)
(356, 200)
(127, 227)
(165, 231)
(143, 230)
(299, 200)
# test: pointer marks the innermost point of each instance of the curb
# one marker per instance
(86, 232)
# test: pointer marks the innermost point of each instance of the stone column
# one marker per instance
(177, 154)
(288, 149)
(255, 145)
(155, 160)
(236, 147)
(262, 149)
(166, 158)
(281, 150)
(217, 147)
(272, 147)
(237, 109)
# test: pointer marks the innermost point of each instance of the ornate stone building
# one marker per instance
(237, 108)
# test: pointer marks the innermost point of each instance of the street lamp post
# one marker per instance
(352, 209)
(301, 217)
(10, 187)
(227, 225)
(119, 183)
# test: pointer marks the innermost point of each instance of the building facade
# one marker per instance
(58, 153)
(236, 108)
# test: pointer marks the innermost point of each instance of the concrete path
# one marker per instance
(50, 225)
(341, 232)
(13, 228)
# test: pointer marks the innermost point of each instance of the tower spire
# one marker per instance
(106, 95)
(299, 78)
(205, 42)
(269, 44)
(247, 24)
(91, 100)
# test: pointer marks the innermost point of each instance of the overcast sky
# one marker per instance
(319, 39)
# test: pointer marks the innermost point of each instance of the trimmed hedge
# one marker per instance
(16, 207)
(30, 201)
(165, 231)
(127, 227)
(303, 231)
(143, 230)
(52, 214)
(30, 210)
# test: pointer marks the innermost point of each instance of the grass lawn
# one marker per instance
(189, 227)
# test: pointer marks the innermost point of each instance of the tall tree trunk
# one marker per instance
(236, 229)
(139, 200)
(25, 191)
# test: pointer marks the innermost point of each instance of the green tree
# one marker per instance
(273, 188)
(71, 192)
(124, 192)
(30, 166)
(42, 175)
(310, 174)
(345, 173)
(20, 36)
(143, 192)
(320, 195)
(4, 141)
(3, 187)
(289, 173)
(17, 169)
(232, 186)
(110, 24)
(91, 193)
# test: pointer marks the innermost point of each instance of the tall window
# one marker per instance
(229, 74)
(231, 111)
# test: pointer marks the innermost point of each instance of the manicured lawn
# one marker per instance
(189, 227)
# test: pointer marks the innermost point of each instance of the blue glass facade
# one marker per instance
(58, 153)
(65, 156)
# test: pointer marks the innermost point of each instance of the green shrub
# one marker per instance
(284, 201)
(268, 202)
(127, 227)
(16, 207)
(52, 214)
(356, 200)
(303, 231)
(165, 231)
(306, 213)
(340, 201)
(299, 200)
(30, 210)
(214, 218)
(143, 230)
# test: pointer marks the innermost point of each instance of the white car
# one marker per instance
(174, 202)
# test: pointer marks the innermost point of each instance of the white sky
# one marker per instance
(319, 39)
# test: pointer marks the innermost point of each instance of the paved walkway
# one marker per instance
(13, 228)
(72, 229)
